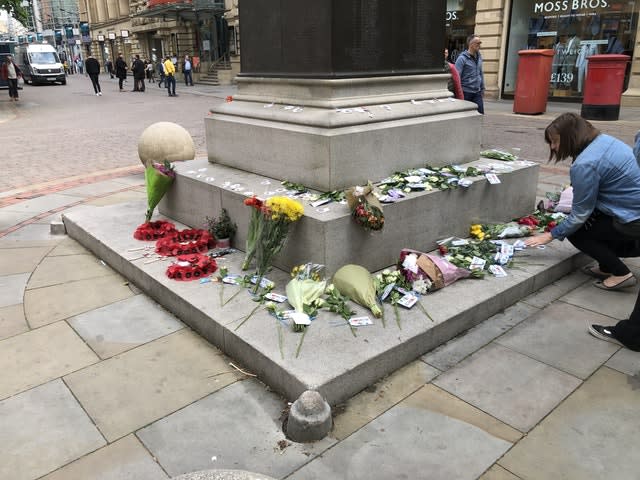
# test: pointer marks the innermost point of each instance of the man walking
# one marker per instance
(92, 68)
(170, 76)
(10, 72)
(188, 79)
(469, 66)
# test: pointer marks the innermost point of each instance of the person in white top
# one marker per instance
(10, 72)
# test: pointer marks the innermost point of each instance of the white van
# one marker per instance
(40, 63)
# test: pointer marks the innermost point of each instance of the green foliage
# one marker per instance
(15, 9)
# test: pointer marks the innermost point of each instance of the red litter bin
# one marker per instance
(532, 84)
(603, 86)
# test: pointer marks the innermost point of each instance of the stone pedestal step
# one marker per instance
(328, 235)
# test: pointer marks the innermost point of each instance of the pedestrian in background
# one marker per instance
(138, 74)
(108, 66)
(10, 72)
(453, 85)
(92, 67)
(170, 76)
(604, 221)
(188, 79)
(121, 70)
(469, 66)
(150, 72)
(160, 67)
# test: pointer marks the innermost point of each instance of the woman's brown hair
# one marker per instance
(575, 135)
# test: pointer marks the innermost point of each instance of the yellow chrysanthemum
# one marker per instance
(285, 207)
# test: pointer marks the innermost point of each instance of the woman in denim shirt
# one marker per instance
(605, 177)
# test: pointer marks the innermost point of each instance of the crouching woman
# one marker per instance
(605, 212)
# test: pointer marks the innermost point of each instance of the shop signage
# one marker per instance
(564, 5)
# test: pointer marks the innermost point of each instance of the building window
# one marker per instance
(574, 29)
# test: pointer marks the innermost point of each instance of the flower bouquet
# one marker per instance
(276, 215)
(306, 285)
(481, 231)
(426, 273)
(365, 207)
(358, 284)
(158, 178)
(254, 225)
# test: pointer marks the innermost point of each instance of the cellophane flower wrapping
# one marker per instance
(432, 271)
(277, 214)
(355, 282)
(158, 178)
(306, 286)
(365, 207)
(253, 232)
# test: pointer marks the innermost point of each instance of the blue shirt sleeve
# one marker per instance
(585, 181)
(636, 147)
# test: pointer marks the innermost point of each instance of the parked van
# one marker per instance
(40, 63)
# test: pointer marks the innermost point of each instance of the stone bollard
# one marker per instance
(165, 141)
(309, 418)
(223, 475)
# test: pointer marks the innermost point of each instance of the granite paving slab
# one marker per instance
(240, 427)
(43, 429)
(140, 386)
(590, 436)
(12, 288)
(413, 439)
(32, 232)
(68, 246)
(349, 363)
(93, 189)
(49, 304)
(41, 204)
(12, 321)
(558, 336)
(455, 350)
(126, 459)
(21, 260)
(616, 304)
(512, 387)
(380, 397)
(626, 361)
(120, 197)
(39, 356)
(55, 270)
(10, 218)
(496, 472)
(123, 325)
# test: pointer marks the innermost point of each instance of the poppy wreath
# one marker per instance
(185, 242)
(154, 230)
(191, 267)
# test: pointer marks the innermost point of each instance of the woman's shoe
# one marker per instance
(627, 282)
(595, 272)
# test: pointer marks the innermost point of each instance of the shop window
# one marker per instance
(574, 29)
(460, 22)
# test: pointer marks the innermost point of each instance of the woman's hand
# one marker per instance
(537, 240)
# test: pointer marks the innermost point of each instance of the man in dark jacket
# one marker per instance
(92, 68)
(121, 70)
(138, 74)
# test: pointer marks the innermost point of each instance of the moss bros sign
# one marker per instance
(563, 5)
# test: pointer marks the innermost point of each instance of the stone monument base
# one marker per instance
(328, 235)
(331, 134)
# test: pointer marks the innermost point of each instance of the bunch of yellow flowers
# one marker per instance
(477, 231)
(284, 207)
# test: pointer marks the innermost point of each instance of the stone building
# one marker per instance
(574, 29)
(203, 29)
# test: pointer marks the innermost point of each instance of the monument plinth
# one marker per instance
(336, 93)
